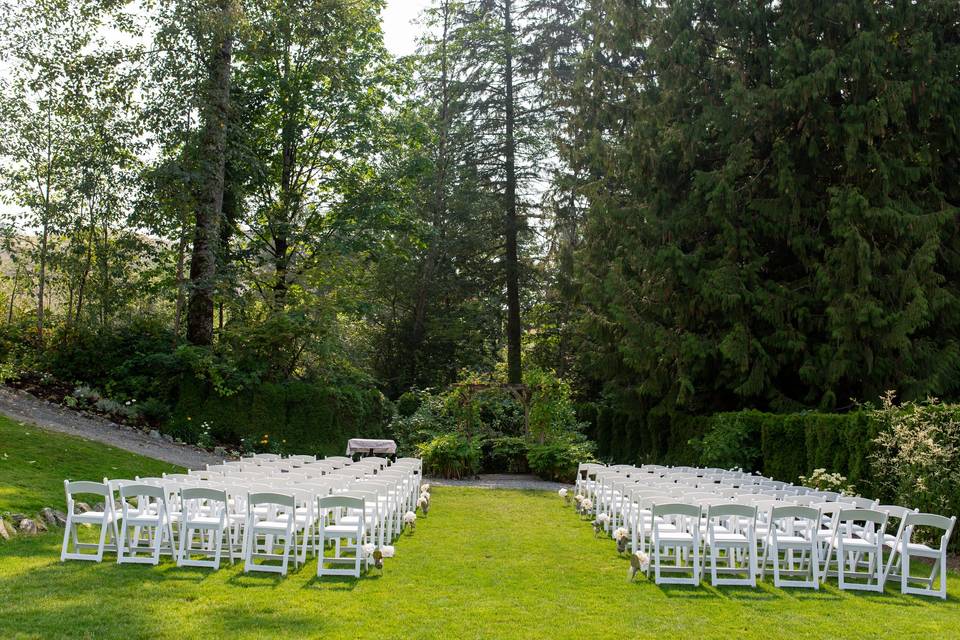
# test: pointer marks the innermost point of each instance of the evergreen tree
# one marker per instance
(774, 219)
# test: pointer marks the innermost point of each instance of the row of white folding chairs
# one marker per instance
(206, 513)
(156, 517)
(808, 541)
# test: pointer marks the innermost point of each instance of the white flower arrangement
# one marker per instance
(622, 536)
(369, 548)
(424, 488)
(388, 551)
(639, 561)
(424, 495)
(604, 518)
(410, 518)
(563, 493)
(586, 504)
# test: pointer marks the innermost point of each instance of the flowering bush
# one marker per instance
(917, 454)
(824, 481)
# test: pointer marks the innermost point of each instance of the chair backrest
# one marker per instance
(676, 509)
(142, 490)
(85, 486)
(934, 520)
(863, 515)
(266, 497)
(792, 512)
(344, 501)
(203, 493)
(727, 510)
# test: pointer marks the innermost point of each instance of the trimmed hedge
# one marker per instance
(297, 417)
(782, 446)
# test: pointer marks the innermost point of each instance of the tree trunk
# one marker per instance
(440, 204)
(514, 367)
(13, 294)
(203, 262)
(289, 200)
(181, 289)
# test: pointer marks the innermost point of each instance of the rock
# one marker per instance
(6, 535)
(154, 434)
(41, 526)
(98, 507)
(60, 517)
(17, 517)
(167, 437)
(220, 452)
(28, 527)
(179, 441)
(49, 517)
(81, 507)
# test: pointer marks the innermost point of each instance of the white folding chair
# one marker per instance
(106, 520)
(151, 517)
(277, 521)
(793, 530)
(682, 537)
(731, 528)
(908, 549)
(857, 533)
(204, 511)
(330, 510)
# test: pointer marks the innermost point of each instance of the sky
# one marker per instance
(398, 34)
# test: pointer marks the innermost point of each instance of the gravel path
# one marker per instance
(23, 407)
(500, 481)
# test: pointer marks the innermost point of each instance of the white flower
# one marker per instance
(409, 517)
(424, 488)
(643, 559)
(425, 496)
(578, 498)
(369, 548)
(563, 493)
(388, 551)
(603, 518)
(620, 534)
(422, 501)
(587, 504)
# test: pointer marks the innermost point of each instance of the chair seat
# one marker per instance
(143, 520)
(917, 549)
(782, 540)
(673, 536)
(858, 543)
(729, 537)
(341, 529)
(91, 517)
(202, 521)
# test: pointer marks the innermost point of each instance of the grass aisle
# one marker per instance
(484, 564)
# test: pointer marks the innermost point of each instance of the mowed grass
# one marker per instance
(35, 462)
(484, 564)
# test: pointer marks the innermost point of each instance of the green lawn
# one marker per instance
(35, 462)
(484, 564)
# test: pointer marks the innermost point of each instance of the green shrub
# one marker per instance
(407, 404)
(429, 420)
(917, 454)
(154, 412)
(298, 417)
(731, 441)
(558, 460)
(450, 456)
(507, 454)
